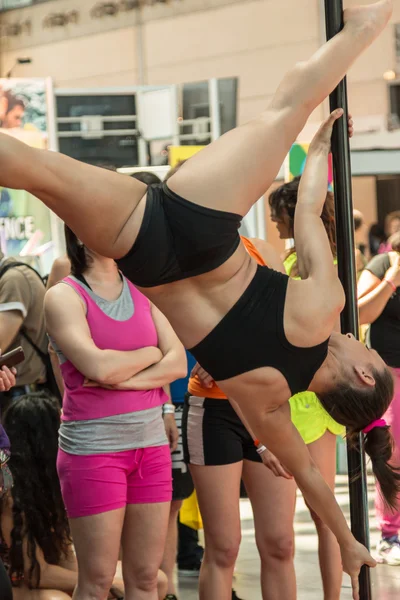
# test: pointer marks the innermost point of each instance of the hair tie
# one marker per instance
(377, 423)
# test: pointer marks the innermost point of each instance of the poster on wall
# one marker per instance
(25, 222)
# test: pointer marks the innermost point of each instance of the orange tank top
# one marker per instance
(195, 388)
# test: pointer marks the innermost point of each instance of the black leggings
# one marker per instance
(5, 584)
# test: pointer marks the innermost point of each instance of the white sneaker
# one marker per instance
(389, 551)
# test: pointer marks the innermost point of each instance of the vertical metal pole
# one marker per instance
(348, 276)
(215, 109)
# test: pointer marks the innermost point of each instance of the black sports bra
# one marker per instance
(252, 336)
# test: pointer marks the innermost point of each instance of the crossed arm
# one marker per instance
(145, 368)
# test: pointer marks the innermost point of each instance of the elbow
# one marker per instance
(179, 366)
(107, 377)
(103, 371)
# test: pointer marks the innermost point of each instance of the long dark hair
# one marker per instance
(39, 515)
(76, 252)
(284, 200)
(356, 409)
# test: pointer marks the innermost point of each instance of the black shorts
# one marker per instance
(214, 435)
(182, 483)
(179, 239)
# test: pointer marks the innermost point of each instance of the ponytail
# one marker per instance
(76, 253)
(379, 445)
(358, 407)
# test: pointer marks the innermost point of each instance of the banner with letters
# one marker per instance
(25, 222)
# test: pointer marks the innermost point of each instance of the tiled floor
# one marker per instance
(386, 580)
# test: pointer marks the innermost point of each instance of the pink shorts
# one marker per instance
(100, 483)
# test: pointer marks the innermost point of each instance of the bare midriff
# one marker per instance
(195, 306)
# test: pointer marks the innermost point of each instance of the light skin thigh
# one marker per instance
(273, 501)
(143, 541)
(97, 541)
(219, 507)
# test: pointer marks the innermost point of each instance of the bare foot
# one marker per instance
(369, 20)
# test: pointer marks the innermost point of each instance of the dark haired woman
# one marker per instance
(180, 244)
(36, 543)
(379, 303)
(315, 425)
(116, 352)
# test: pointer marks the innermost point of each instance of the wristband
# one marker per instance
(392, 285)
(257, 443)
(261, 450)
(168, 409)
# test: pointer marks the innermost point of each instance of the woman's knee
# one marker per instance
(95, 582)
(145, 578)
(223, 551)
(279, 547)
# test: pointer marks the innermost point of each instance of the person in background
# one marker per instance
(376, 237)
(221, 451)
(392, 226)
(317, 428)
(22, 324)
(15, 111)
(116, 352)
(379, 306)
(60, 270)
(35, 541)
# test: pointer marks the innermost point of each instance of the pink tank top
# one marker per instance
(81, 403)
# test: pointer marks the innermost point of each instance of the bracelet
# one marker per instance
(257, 443)
(261, 450)
(168, 409)
(390, 282)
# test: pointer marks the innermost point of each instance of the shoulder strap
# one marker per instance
(14, 264)
(42, 355)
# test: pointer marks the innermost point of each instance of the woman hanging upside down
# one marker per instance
(180, 245)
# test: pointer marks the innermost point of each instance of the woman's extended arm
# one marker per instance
(171, 367)
(314, 254)
(276, 430)
(319, 296)
(67, 325)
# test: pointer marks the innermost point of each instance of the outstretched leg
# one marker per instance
(235, 171)
(94, 202)
(104, 208)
